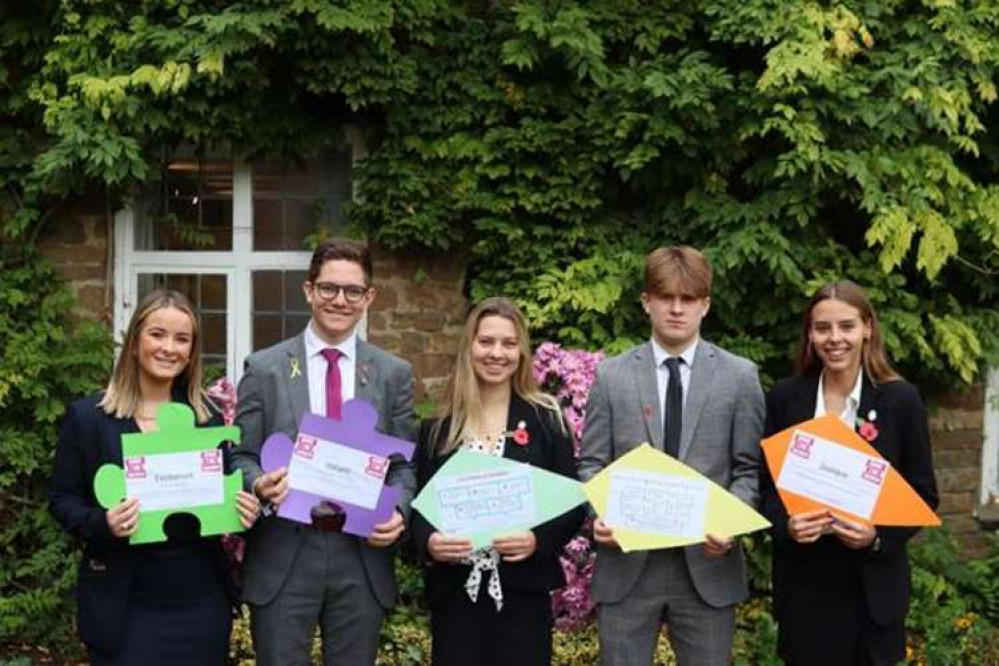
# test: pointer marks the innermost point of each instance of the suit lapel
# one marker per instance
(365, 373)
(648, 393)
(701, 378)
(803, 407)
(297, 378)
(520, 410)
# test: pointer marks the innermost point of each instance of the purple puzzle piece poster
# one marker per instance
(344, 462)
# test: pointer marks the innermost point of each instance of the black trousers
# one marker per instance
(476, 633)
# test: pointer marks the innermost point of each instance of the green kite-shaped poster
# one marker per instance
(480, 496)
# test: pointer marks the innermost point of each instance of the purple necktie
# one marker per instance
(334, 396)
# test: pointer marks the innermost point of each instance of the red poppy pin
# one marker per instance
(520, 435)
(647, 411)
(867, 429)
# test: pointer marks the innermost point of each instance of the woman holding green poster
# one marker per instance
(163, 603)
(493, 606)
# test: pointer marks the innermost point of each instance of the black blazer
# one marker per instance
(550, 447)
(904, 440)
(88, 439)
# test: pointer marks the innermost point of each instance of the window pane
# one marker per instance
(279, 307)
(292, 202)
(190, 208)
(207, 294)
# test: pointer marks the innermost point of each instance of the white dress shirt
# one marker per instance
(317, 365)
(849, 414)
(662, 372)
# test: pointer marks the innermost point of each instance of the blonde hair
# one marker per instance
(873, 356)
(463, 399)
(121, 397)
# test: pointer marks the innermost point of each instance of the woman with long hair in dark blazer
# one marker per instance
(493, 606)
(841, 589)
(163, 603)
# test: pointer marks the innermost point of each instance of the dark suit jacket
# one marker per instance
(904, 440)
(550, 448)
(88, 439)
(272, 397)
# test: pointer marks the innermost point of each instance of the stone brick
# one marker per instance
(957, 439)
(427, 366)
(961, 524)
(427, 320)
(413, 343)
(956, 419)
(377, 321)
(387, 341)
(958, 480)
(969, 400)
(90, 303)
(59, 253)
(82, 272)
(435, 389)
(445, 342)
(956, 458)
(64, 230)
(957, 503)
(387, 298)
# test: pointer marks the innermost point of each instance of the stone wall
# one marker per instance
(77, 244)
(419, 313)
(956, 421)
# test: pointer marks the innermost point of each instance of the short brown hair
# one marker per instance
(677, 264)
(341, 248)
(873, 356)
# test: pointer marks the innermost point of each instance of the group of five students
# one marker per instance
(169, 603)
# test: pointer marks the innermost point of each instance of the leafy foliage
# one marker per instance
(558, 141)
(45, 361)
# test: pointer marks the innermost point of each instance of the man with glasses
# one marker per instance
(301, 576)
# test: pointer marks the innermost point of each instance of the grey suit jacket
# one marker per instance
(722, 422)
(272, 397)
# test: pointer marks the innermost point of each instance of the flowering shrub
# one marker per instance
(223, 395)
(568, 375)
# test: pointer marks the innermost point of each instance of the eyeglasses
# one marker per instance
(328, 291)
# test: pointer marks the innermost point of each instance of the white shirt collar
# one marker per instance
(314, 345)
(660, 355)
(852, 400)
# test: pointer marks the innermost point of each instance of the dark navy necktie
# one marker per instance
(673, 409)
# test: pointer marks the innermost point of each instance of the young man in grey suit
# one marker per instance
(704, 406)
(300, 576)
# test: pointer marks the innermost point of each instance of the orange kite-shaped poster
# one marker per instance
(863, 488)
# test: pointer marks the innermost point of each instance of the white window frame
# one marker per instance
(989, 495)
(237, 265)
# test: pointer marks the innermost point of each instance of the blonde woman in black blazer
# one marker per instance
(494, 406)
(163, 603)
(841, 590)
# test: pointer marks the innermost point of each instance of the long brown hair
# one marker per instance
(463, 398)
(121, 397)
(873, 356)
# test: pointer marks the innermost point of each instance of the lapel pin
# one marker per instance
(296, 369)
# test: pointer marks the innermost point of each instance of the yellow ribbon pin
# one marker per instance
(296, 370)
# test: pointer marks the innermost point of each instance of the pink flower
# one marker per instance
(869, 431)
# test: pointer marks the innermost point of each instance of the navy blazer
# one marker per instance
(88, 439)
(904, 440)
(550, 448)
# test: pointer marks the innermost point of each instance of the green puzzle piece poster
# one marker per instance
(480, 496)
(177, 469)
